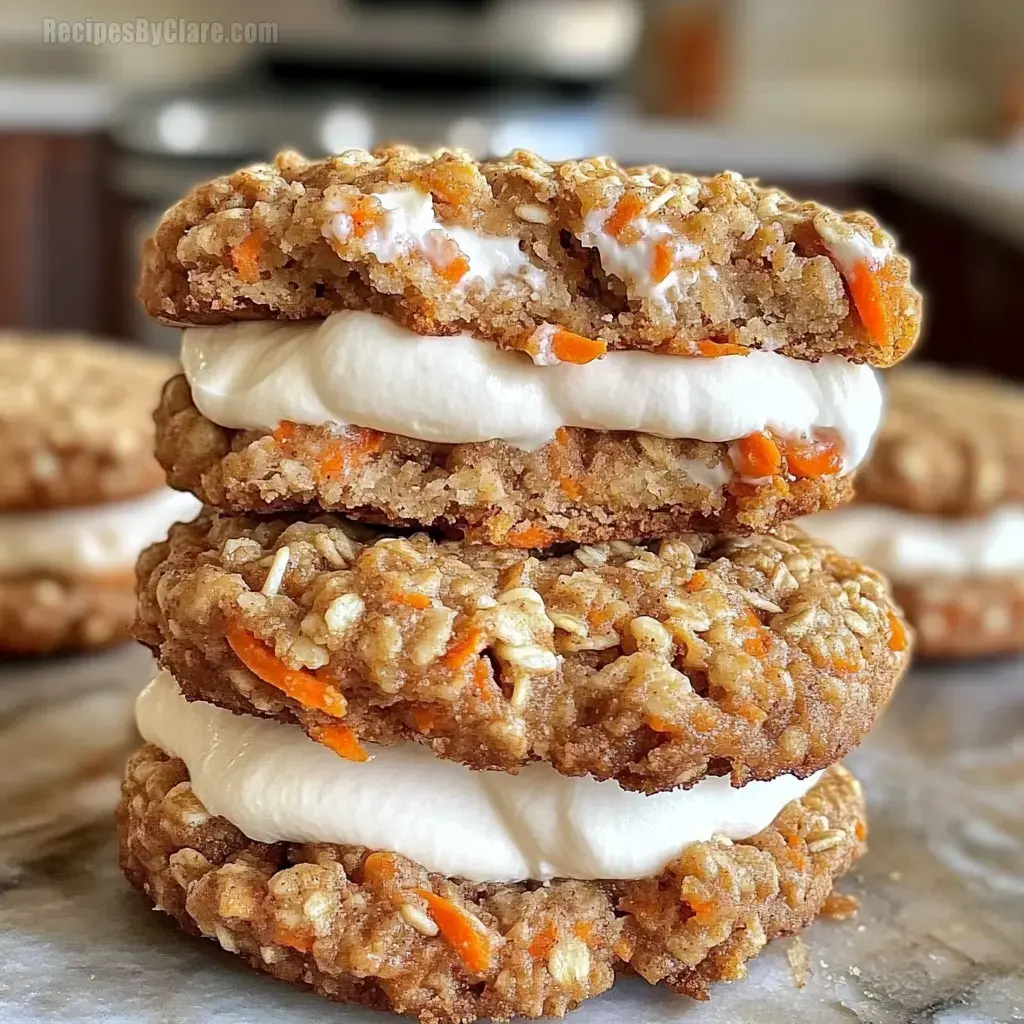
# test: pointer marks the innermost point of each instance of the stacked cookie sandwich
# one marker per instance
(940, 510)
(483, 679)
(80, 492)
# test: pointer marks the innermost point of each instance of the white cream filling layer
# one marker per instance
(275, 784)
(907, 546)
(361, 369)
(91, 539)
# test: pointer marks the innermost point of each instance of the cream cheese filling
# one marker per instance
(362, 369)
(275, 784)
(908, 546)
(92, 539)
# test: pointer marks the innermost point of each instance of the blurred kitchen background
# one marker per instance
(913, 109)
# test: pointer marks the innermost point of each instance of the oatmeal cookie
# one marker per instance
(653, 664)
(585, 486)
(585, 253)
(949, 445)
(76, 421)
(372, 927)
(45, 613)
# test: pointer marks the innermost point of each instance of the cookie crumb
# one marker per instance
(799, 957)
(840, 906)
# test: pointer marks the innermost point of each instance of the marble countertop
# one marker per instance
(939, 938)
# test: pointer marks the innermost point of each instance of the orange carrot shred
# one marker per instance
(584, 931)
(366, 214)
(455, 270)
(810, 458)
(866, 292)
(529, 535)
(297, 683)
(543, 941)
(284, 432)
(714, 349)
(473, 947)
(757, 455)
(341, 739)
(246, 256)
(462, 649)
(897, 634)
(661, 262)
(410, 598)
(698, 581)
(860, 831)
(627, 209)
(756, 645)
(575, 348)
(659, 724)
(348, 454)
(570, 488)
(700, 908)
(302, 941)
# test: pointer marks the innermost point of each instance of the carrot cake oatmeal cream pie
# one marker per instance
(941, 510)
(412, 884)
(518, 352)
(80, 492)
(655, 665)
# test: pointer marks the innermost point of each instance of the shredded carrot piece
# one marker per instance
(659, 724)
(367, 214)
(302, 941)
(246, 256)
(424, 719)
(562, 436)
(529, 535)
(701, 908)
(284, 432)
(627, 209)
(714, 349)
(379, 867)
(473, 947)
(866, 291)
(575, 348)
(543, 941)
(297, 683)
(461, 650)
(698, 581)
(584, 931)
(661, 262)
(570, 488)
(454, 271)
(756, 645)
(410, 598)
(341, 739)
(860, 831)
(897, 634)
(482, 677)
(757, 455)
(748, 618)
(346, 455)
(808, 459)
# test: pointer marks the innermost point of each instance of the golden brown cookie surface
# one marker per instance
(951, 444)
(375, 928)
(515, 249)
(652, 664)
(76, 421)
